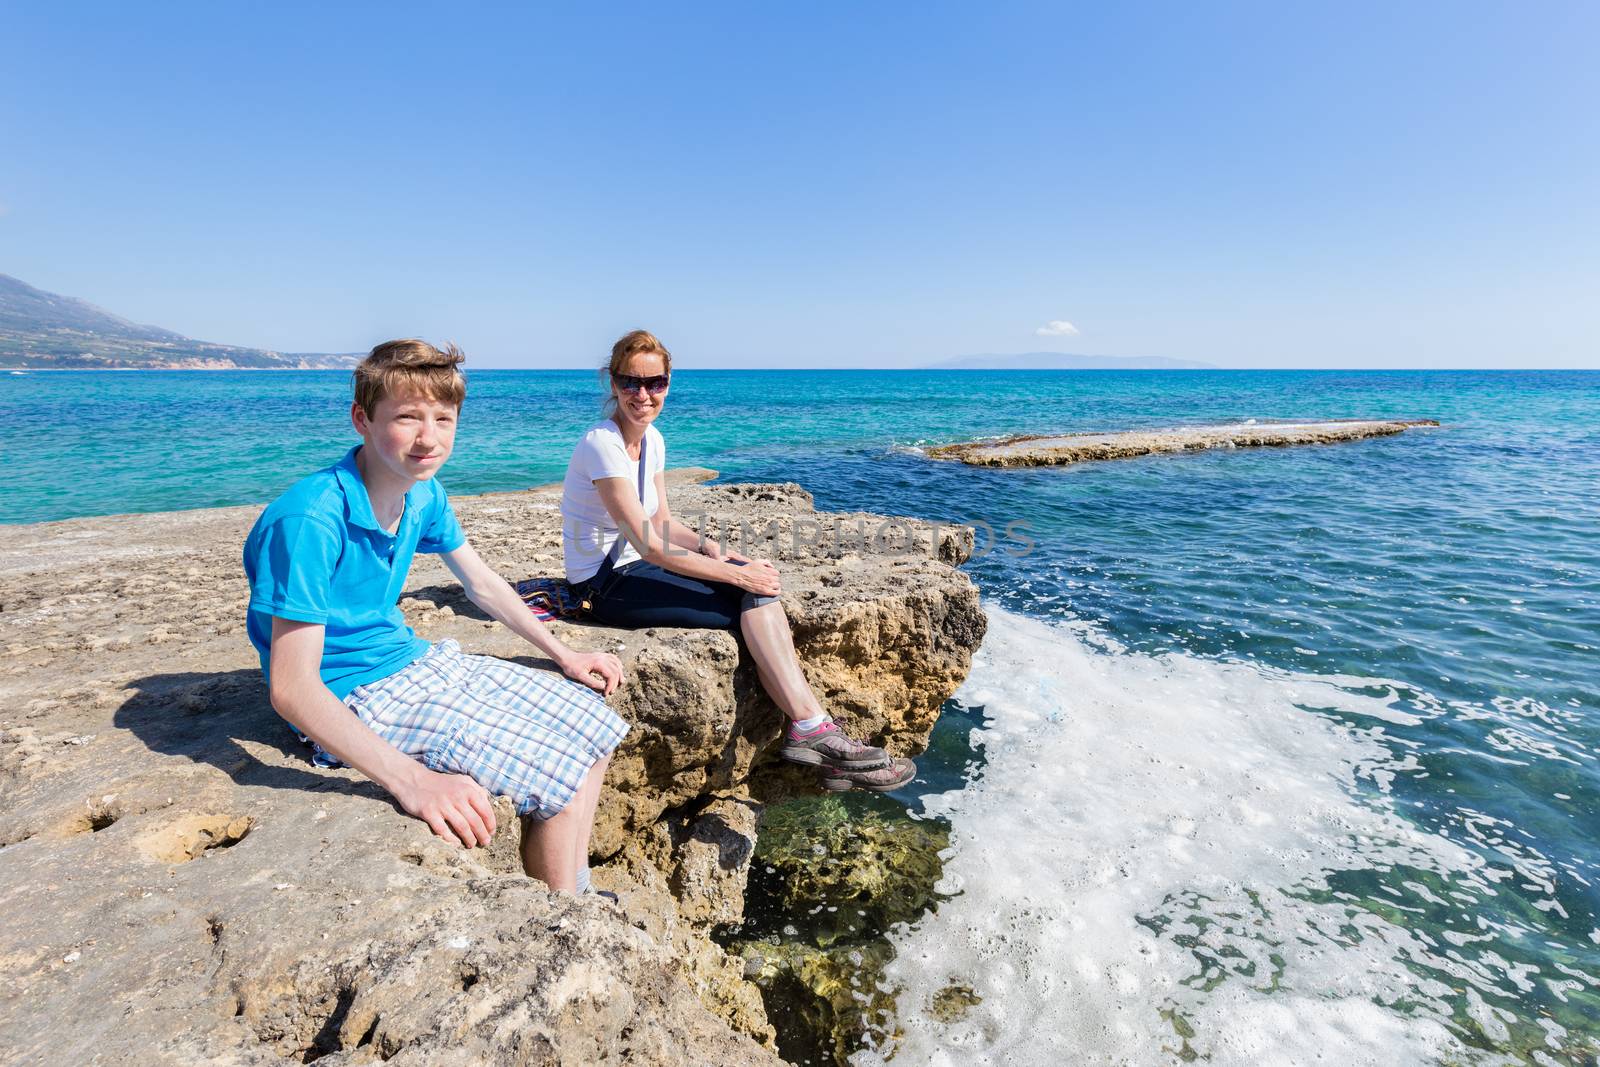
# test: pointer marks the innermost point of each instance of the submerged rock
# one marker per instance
(830, 877)
(826, 1003)
(834, 867)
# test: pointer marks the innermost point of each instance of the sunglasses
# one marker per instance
(655, 385)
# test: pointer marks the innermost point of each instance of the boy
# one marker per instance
(438, 729)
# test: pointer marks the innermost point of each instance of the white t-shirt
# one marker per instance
(587, 529)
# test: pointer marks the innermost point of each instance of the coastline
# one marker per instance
(1181, 371)
(101, 370)
(168, 845)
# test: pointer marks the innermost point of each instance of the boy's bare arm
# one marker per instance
(485, 588)
(453, 805)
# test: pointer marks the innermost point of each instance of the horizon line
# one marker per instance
(842, 370)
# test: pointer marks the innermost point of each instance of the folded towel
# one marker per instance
(550, 598)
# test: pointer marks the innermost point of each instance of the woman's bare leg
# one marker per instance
(771, 643)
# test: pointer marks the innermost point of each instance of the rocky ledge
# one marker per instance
(1049, 451)
(181, 884)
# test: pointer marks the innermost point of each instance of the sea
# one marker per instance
(1270, 755)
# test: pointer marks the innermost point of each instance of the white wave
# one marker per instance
(1141, 873)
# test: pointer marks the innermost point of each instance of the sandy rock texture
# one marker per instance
(1038, 451)
(182, 885)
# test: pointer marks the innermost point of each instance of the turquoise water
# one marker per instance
(1449, 578)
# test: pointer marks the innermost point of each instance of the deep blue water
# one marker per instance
(1456, 569)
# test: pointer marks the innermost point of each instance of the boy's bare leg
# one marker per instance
(766, 633)
(553, 848)
(588, 801)
(547, 849)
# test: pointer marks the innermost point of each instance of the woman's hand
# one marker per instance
(756, 576)
(711, 550)
(600, 671)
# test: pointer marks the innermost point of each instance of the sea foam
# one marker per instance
(1141, 873)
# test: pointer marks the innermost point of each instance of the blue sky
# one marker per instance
(1394, 185)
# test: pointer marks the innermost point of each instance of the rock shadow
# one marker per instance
(216, 718)
(451, 596)
(733, 847)
(538, 663)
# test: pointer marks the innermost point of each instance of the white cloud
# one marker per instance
(1057, 328)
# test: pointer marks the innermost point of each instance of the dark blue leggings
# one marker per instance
(643, 594)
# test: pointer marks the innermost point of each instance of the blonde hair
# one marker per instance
(396, 366)
(632, 343)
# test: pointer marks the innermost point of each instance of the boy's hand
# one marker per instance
(453, 805)
(600, 671)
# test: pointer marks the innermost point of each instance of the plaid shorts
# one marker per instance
(522, 733)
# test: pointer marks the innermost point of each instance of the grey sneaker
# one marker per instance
(828, 746)
(897, 773)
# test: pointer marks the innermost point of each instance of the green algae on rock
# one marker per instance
(876, 865)
(829, 877)
(952, 1002)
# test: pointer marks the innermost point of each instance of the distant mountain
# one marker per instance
(46, 331)
(1063, 361)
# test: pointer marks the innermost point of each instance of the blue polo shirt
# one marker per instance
(317, 554)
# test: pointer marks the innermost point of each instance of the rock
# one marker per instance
(712, 861)
(646, 896)
(433, 963)
(1045, 451)
(223, 899)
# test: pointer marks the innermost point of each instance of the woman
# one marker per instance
(615, 483)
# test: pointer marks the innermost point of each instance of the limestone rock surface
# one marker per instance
(1060, 449)
(182, 885)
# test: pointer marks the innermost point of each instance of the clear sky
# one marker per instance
(817, 184)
